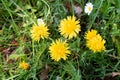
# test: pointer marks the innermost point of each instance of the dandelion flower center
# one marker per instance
(69, 27)
(39, 32)
(24, 65)
(58, 50)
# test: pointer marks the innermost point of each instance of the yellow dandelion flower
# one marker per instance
(96, 44)
(24, 65)
(69, 27)
(39, 32)
(58, 50)
(95, 41)
(91, 34)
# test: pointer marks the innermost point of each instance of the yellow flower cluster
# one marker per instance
(24, 65)
(69, 28)
(94, 41)
(59, 49)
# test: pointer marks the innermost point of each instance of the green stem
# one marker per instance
(72, 3)
(95, 15)
(33, 50)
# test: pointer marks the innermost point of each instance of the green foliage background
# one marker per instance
(16, 19)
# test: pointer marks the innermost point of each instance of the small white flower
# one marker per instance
(88, 8)
(40, 21)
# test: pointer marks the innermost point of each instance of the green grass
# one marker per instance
(16, 45)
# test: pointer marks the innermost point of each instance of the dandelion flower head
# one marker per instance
(91, 34)
(59, 49)
(88, 8)
(24, 65)
(94, 41)
(39, 31)
(69, 27)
